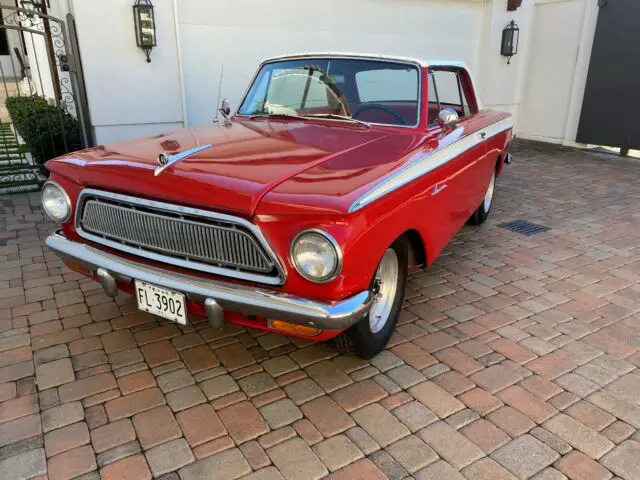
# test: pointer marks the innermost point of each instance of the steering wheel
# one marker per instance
(377, 106)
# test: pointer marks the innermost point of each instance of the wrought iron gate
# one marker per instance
(612, 98)
(43, 108)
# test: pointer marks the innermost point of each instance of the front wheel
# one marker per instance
(370, 335)
(482, 213)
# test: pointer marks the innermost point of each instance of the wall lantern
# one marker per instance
(145, 25)
(510, 39)
(34, 4)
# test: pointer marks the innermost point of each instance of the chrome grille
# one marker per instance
(219, 243)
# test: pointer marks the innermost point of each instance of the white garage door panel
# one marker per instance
(375, 16)
(241, 33)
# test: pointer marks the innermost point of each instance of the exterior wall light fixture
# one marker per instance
(510, 40)
(145, 25)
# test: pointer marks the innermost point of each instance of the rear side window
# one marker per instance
(449, 89)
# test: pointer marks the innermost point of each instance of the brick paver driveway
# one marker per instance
(516, 357)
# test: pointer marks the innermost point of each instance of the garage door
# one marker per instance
(241, 33)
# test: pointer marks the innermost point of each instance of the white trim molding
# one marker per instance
(183, 94)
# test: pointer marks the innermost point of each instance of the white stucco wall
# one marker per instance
(9, 65)
(127, 96)
(35, 46)
(500, 81)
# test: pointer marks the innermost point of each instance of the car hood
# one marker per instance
(246, 160)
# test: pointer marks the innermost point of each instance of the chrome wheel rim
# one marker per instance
(385, 286)
(488, 198)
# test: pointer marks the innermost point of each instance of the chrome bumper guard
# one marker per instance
(216, 296)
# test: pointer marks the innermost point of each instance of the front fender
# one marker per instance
(363, 236)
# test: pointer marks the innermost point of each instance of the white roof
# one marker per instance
(373, 56)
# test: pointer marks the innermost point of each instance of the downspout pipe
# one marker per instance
(185, 120)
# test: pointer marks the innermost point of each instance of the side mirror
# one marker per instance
(448, 118)
(225, 108)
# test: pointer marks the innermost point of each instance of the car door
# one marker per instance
(438, 197)
(468, 180)
(462, 147)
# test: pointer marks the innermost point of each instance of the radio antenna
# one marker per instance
(219, 92)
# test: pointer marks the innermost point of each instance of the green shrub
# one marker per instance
(47, 130)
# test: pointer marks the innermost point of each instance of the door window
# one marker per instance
(449, 89)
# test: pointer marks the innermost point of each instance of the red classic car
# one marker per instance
(298, 214)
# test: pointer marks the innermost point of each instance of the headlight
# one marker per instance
(316, 256)
(56, 202)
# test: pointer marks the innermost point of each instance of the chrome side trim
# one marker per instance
(453, 145)
(398, 60)
(179, 209)
(238, 298)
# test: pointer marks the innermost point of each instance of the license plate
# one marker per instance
(162, 302)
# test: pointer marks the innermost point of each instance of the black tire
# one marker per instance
(482, 213)
(360, 339)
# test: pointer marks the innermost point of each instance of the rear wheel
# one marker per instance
(370, 335)
(482, 213)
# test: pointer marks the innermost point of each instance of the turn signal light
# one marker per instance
(293, 328)
(78, 267)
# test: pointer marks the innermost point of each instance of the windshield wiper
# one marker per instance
(338, 117)
(276, 115)
(310, 115)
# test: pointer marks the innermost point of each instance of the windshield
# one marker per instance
(368, 90)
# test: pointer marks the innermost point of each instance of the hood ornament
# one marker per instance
(166, 160)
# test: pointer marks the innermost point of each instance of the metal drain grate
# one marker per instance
(524, 227)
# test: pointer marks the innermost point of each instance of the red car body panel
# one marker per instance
(286, 176)
(246, 160)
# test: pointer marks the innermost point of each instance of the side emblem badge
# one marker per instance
(163, 158)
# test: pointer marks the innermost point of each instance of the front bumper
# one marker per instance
(217, 296)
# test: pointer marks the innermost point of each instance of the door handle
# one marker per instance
(482, 135)
(438, 189)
